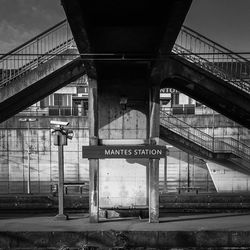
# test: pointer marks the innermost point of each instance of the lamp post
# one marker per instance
(28, 121)
(61, 135)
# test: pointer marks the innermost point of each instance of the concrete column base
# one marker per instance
(61, 217)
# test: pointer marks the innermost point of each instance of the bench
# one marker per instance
(79, 185)
(54, 187)
(196, 189)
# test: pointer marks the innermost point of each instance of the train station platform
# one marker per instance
(175, 231)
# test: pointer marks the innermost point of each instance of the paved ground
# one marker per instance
(175, 231)
(169, 222)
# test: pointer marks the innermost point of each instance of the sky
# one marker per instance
(21, 20)
(224, 21)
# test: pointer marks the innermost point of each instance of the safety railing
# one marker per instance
(35, 52)
(239, 148)
(213, 144)
(216, 59)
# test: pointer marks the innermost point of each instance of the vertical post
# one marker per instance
(28, 120)
(188, 173)
(207, 177)
(28, 178)
(165, 172)
(154, 131)
(93, 163)
(147, 185)
(93, 109)
(61, 215)
(153, 190)
(179, 172)
(94, 186)
(213, 132)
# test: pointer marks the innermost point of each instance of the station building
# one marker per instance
(206, 152)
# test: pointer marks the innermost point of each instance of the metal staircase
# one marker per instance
(207, 54)
(191, 45)
(215, 145)
(214, 58)
(36, 52)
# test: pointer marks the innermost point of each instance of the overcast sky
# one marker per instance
(224, 21)
(21, 20)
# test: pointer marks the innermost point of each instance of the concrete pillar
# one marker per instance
(93, 108)
(154, 131)
(153, 190)
(94, 186)
(93, 163)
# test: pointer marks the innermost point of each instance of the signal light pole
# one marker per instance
(60, 139)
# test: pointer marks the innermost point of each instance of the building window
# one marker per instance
(62, 100)
(175, 99)
(57, 100)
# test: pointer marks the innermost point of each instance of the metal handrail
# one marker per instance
(191, 45)
(199, 137)
(213, 144)
(239, 148)
(36, 51)
(209, 55)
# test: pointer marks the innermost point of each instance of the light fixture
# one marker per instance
(123, 102)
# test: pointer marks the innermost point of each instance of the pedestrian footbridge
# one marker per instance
(198, 67)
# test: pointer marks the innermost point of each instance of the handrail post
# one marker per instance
(37, 50)
(213, 133)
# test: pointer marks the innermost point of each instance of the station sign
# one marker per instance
(168, 90)
(102, 152)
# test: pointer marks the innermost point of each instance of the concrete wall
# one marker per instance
(43, 156)
(123, 182)
(44, 168)
(223, 127)
(13, 163)
(228, 180)
(123, 122)
(225, 178)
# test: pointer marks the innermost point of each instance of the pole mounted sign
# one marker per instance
(101, 152)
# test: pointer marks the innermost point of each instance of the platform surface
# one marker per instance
(175, 231)
(168, 222)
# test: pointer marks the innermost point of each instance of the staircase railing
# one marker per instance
(239, 148)
(213, 144)
(191, 45)
(216, 59)
(38, 50)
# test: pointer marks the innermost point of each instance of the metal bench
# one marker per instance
(79, 185)
(54, 187)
